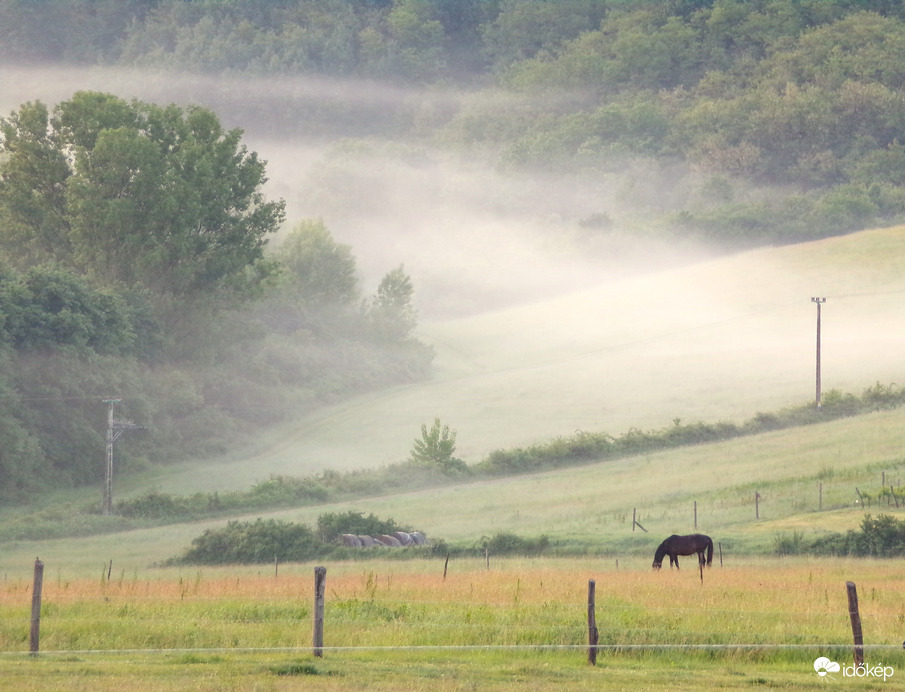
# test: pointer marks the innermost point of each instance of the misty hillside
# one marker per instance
(718, 340)
(326, 223)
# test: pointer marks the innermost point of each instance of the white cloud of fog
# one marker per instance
(473, 238)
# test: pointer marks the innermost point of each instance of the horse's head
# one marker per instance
(657, 564)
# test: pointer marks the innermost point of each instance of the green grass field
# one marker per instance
(521, 624)
(720, 340)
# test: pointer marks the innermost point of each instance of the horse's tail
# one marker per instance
(709, 551)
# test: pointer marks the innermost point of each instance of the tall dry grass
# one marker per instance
(778, 610)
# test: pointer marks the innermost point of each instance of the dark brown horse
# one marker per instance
(684, 545)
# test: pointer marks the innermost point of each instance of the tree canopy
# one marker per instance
(133, 194)
(125, 226)
(132, 263)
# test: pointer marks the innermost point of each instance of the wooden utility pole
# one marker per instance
(115, 428)
(819, 302)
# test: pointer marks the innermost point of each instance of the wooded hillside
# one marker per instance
(133, 235)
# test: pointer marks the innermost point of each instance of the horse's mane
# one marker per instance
(661, 550)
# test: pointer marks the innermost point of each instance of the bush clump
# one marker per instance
(883, 536)
(254, 542)
(332, 525)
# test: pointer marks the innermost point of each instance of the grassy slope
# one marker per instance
(718, 340)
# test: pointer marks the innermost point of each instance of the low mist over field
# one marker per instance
(553, 301)
(472, 234)
(714, 341)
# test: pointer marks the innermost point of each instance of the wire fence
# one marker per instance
(482, 611)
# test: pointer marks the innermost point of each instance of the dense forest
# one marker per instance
(134, 259)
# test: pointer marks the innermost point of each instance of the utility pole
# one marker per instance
(115, 428)
(819, 301)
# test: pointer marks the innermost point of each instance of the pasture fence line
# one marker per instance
(593, 647)
(823, 647)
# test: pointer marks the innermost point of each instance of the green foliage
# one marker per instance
(392, 311)
(883, 536)
(802, 99)
(159, 197)
(510, 544)
(154, 505)
(54, 309)
(525, 29)
(436, 448)
(331, 525)
(584, 447)
(581, 448)
(263, 541)
(794, 96)
(253, 542)
(316, 270)
(136, 232)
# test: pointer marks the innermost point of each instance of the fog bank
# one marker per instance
(472, 236)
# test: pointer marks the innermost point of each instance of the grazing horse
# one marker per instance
(684, 545)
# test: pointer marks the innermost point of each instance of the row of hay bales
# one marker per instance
(399, 539)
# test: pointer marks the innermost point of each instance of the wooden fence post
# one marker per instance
(856, 623)
(38, 586)
(695, 515)
(593, 634)
(635, 521)
(757, 505)
(320, 585)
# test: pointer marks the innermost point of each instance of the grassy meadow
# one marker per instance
(390, 625)
(717, 340)
(720, 340)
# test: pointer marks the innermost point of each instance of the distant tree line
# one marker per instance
(133, 264)
(791, 110)
(133, 236)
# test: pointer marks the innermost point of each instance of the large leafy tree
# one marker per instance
(133, 194)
